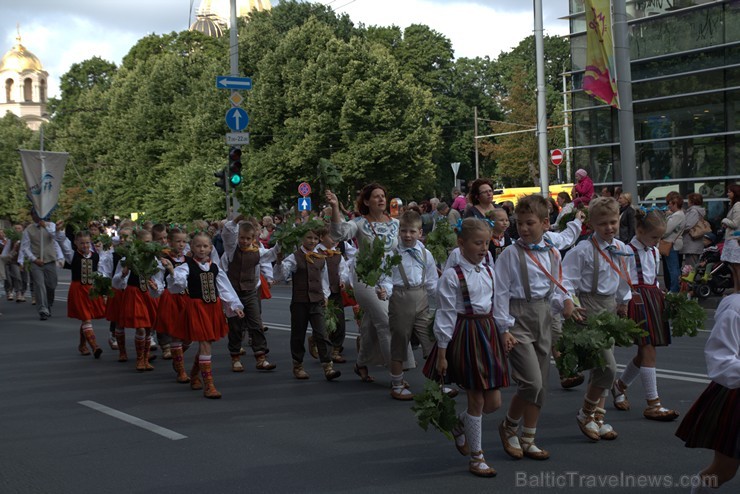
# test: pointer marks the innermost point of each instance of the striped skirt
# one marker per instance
(475, 355)
(650, 314)
(713, 422)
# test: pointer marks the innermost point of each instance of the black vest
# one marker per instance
(241, 270)
(202, 284)
(134, 280)
(307, 279)
(84, 268)
(332, 266)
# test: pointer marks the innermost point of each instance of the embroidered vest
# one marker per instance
(84, 268)
(202, 284)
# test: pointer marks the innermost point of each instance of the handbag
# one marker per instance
(701, 228)
(664, 247)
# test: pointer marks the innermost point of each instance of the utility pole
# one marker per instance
(566, 128)
(475, 129)
(234, 63)
(541, 102)
(624, 90)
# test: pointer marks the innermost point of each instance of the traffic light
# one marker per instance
(221, 176)
(235, 166)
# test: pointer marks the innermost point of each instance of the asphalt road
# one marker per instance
(62, 431)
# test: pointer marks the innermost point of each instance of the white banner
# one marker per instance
(43, 172)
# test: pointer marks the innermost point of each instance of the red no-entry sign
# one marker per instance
(556, 156)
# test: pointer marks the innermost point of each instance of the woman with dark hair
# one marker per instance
(731, 251)
(675, 225)
(692, 248)
(553, 209)
(481, 198)
(373, 222)
(627, 222)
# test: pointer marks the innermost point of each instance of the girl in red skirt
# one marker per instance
(172, 306)
(203, 320)
(469, 350)
(108, 264)
(138, 307)
(646, 306)
(84, 264)
(713, 422)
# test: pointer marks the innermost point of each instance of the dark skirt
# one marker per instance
(80, 306)
(650, 314)
(713, 422)
(475, 355)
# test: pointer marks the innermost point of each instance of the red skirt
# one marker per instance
(265, 293)
(649, 315)
(113, 306)
(201, 322)
(81, 306)
(170, 310)
(138, 309)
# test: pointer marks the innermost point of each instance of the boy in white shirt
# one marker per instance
(596, 271)
(527, 277)
(409, 287)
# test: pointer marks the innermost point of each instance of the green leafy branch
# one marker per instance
(141, 257)
(686, 316)
(433, 407)
(290, 237)
(101, 287)
(441, 241)
(329, 177)
(372, 263)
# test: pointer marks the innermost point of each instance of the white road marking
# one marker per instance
(133, 420)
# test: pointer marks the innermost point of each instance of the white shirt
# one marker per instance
(25, 250)
(105, 265)
(119, 281)
(509, 283)
(343, 265)
(230, 237)
(722, 351)
(415, 272)
(578, 270)
(649, 259)
(179, 282)
(455, 256)
(567, 238)
(289, 266)
(450, 299)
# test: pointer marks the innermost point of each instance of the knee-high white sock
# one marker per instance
(649, 382)
(473, 432)
(629, 374)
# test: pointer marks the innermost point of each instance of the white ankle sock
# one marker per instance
(528, 434)
(474, 432)
(630, 374)
(397, 380)
(649, 382)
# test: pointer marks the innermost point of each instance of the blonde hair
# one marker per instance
(470, 225)
(602, 206)
(627, 196)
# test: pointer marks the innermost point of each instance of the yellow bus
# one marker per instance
(514, 193)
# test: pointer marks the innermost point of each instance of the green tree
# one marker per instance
(14, 135)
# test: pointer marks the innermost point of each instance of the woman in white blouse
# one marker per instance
(375, 334)
(731, 250)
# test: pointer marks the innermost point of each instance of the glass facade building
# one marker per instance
(685, 62)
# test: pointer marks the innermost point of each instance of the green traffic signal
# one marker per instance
(235, 166)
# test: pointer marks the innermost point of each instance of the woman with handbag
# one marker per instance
(672, 241)
(693, 236)
(731, 251)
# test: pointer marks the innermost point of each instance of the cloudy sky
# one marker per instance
(63, 32)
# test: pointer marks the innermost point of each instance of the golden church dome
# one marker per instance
(222, 8)
(208, 25)
(18, 59)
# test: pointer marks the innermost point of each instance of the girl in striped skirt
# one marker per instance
(646, 307)
(469, 350)
(713, 422)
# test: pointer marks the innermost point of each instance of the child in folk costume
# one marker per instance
(500, 239)
(408, 288)
(161, 338)
(713, 421)
(596, 271)
(203, 320)
(243, 261)
(528, 279)
(172, 306)
(84, 264)
(646, 307)
(108, 266)
(310, 293)
(138, 308)
(338, 273)
(469, 349)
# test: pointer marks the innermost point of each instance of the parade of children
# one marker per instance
(478, 327)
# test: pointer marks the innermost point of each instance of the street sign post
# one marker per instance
(237, 138)
(304, 204)
(237, 119)
(556, 156)
(455, 168)
(304, 189)
(230, 82)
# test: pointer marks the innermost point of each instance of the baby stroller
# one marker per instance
(711, 274)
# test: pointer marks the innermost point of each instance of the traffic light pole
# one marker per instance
(234, 62)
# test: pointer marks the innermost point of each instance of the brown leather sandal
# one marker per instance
(476, 466)
(619, 397)
(507, 433)
(655, 411)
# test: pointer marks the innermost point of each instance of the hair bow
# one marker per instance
(458, 226)
(653, 208)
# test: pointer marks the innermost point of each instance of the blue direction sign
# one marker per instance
(304, 204)
(229, 82)
(237, 119)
